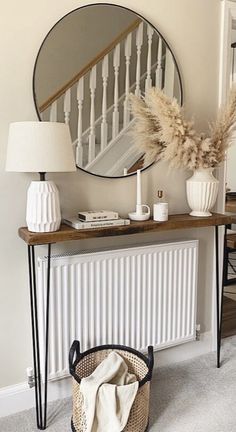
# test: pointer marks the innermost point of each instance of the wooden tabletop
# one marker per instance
(175, 222)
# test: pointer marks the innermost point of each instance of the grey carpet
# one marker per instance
(191, 396)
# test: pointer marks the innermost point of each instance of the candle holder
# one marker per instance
(139, 214)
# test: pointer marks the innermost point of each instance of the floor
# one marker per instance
(189, 396)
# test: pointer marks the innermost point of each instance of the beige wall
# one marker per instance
(192, 29)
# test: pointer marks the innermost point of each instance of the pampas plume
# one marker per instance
(146, 130)
(162, 132)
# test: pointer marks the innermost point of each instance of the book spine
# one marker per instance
(98, 217)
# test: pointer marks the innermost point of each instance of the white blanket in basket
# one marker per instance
(109, 393)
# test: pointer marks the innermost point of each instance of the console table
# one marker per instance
(175, 222)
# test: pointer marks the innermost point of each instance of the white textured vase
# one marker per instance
(43, 207)
(202, 189)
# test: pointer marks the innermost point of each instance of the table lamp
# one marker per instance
(41, 147)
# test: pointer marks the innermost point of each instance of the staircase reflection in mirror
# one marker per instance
(87, 66)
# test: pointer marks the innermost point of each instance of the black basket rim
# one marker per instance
(147, 377)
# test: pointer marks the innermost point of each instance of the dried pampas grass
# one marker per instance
(146, 131)
(162, 132)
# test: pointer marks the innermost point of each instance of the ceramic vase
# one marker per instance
(202, 189)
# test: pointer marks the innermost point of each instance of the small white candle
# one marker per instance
(139, 193)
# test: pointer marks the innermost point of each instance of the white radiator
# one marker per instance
(138, 296)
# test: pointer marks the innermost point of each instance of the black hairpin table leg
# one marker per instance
(219, 295)
(40, 396)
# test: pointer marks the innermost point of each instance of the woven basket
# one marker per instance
(85, 363)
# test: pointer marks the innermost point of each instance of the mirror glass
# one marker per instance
(87, 66)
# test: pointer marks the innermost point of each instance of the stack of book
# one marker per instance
(95, 219)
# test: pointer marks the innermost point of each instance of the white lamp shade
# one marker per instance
(39, 147)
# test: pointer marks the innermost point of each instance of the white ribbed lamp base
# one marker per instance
(43, 207)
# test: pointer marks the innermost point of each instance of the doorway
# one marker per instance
(229, 309)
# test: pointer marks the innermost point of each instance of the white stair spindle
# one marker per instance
(169, 75)
(159, 69)
(80, 99)
(92, 137)
(125, 172)
(53, 112)
(148, 82)
(128, 46)
(115, 117)
(139, 42)
(67, 105)
(104, 103)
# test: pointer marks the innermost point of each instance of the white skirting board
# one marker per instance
(20, 397)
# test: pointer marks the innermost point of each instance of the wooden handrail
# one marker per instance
(90, 65)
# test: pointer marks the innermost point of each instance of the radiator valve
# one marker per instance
(198, 332)
(30, 375)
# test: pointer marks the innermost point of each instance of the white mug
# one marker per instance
(160, 212)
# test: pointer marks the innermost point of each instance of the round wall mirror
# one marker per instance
(87, 66)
